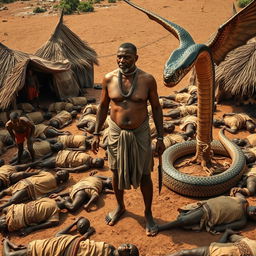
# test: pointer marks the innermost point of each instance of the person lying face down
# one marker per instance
(42, 149)
(214, 215)
(233, 122)
(74, 142)
(229, 244)
(10, 174)
(249, 141)
(31, 216)
(62, 119)
(64, 243)
(247, 185)
(182, 111)
(72, 161)
(182, 97)
(59, 106)
(35, 187)
(188, 124)
(85, 192)
(87, 123)
(43, 132)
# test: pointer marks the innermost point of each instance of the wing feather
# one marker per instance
(235, 32)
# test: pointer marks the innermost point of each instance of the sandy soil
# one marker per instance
(105, 29)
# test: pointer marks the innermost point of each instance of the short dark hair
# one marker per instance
(14, 115)
(129, 46)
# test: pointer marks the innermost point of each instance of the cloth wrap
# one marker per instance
(26, 107)
(69, 159)
(237, 121)
(188, 120)
(219, 210)
(36, 186)
(41, 148)
(72, 141)
(36, 117)
(243, 247)
(92, 107)
(91, 185)
(182, 97)
(39, 129)
(62, 117)
(5, 172)
(59, 106)
(187, 110)
(19, 216)
(129, 152)
(77, 100)
(252, 139)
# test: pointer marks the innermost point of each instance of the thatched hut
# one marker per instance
(55, 78)
(65, 44)
(236, 75)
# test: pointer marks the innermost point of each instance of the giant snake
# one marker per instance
(235, 32)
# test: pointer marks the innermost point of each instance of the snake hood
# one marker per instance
(235, 32)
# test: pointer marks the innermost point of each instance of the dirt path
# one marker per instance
(105, 30)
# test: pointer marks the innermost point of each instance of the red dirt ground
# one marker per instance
(105, 29)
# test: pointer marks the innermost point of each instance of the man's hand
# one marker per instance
(160, 147)
(95, 144)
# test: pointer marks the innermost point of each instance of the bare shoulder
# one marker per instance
(108, 77)
(148, 79)
(9, 124)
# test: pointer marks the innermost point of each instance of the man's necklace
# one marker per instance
(134, 82)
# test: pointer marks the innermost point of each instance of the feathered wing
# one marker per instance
(156, 18)
(235, 32)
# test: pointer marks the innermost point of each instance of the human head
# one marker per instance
(56, 147)
(1, 162)
(169, 127)
(73, 113)
(127, 57)
(250, 126)
(3, 225)
(126, 250)
(54, 123)
(98, 162)
(62, 176)
(218, 122)
(108, 183)
(83, 225)
(251, 212)
(249, 157)
(239, 142)
(14, 116)
(47, 115)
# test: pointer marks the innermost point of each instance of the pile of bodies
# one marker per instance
(36, 177)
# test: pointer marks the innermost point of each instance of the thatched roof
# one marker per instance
(65, 44)
(8, 60)
(13, 67)
(236, 75)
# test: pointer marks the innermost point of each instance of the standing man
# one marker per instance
(127, 90)
(20, 128)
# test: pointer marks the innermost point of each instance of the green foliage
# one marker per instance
(6, 1)
(69, 6)
(39, 9)
(112, 1)
(243, 3)
(85, 7)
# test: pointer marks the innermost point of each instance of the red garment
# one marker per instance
(20, 137)
(32, 93)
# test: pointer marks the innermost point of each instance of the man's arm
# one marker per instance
(101, 113)
(31, 229)
(82, 168)
(65, 124)
(157, 115)
(8, 126)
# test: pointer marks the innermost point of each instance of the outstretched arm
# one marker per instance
(68, 228)
(82, 168)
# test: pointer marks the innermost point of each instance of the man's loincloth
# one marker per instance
(129, 152)
(5, 172)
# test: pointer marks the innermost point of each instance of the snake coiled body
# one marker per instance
(198, 186)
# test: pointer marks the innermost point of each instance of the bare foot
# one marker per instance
(112, 217)
(151, 227)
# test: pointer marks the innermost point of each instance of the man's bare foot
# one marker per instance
(112, 217)
(151, 227)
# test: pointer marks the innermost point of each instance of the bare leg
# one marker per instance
(184, 220)
(114, 216)
(146, 188)
(53, 132)
(15, 177)
(31, 149)
(19, 197)
(20, 151)
(8, 248)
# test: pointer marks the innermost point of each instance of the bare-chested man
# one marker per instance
(127, 90)
(20, 128)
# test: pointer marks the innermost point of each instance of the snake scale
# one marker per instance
(235, 32)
